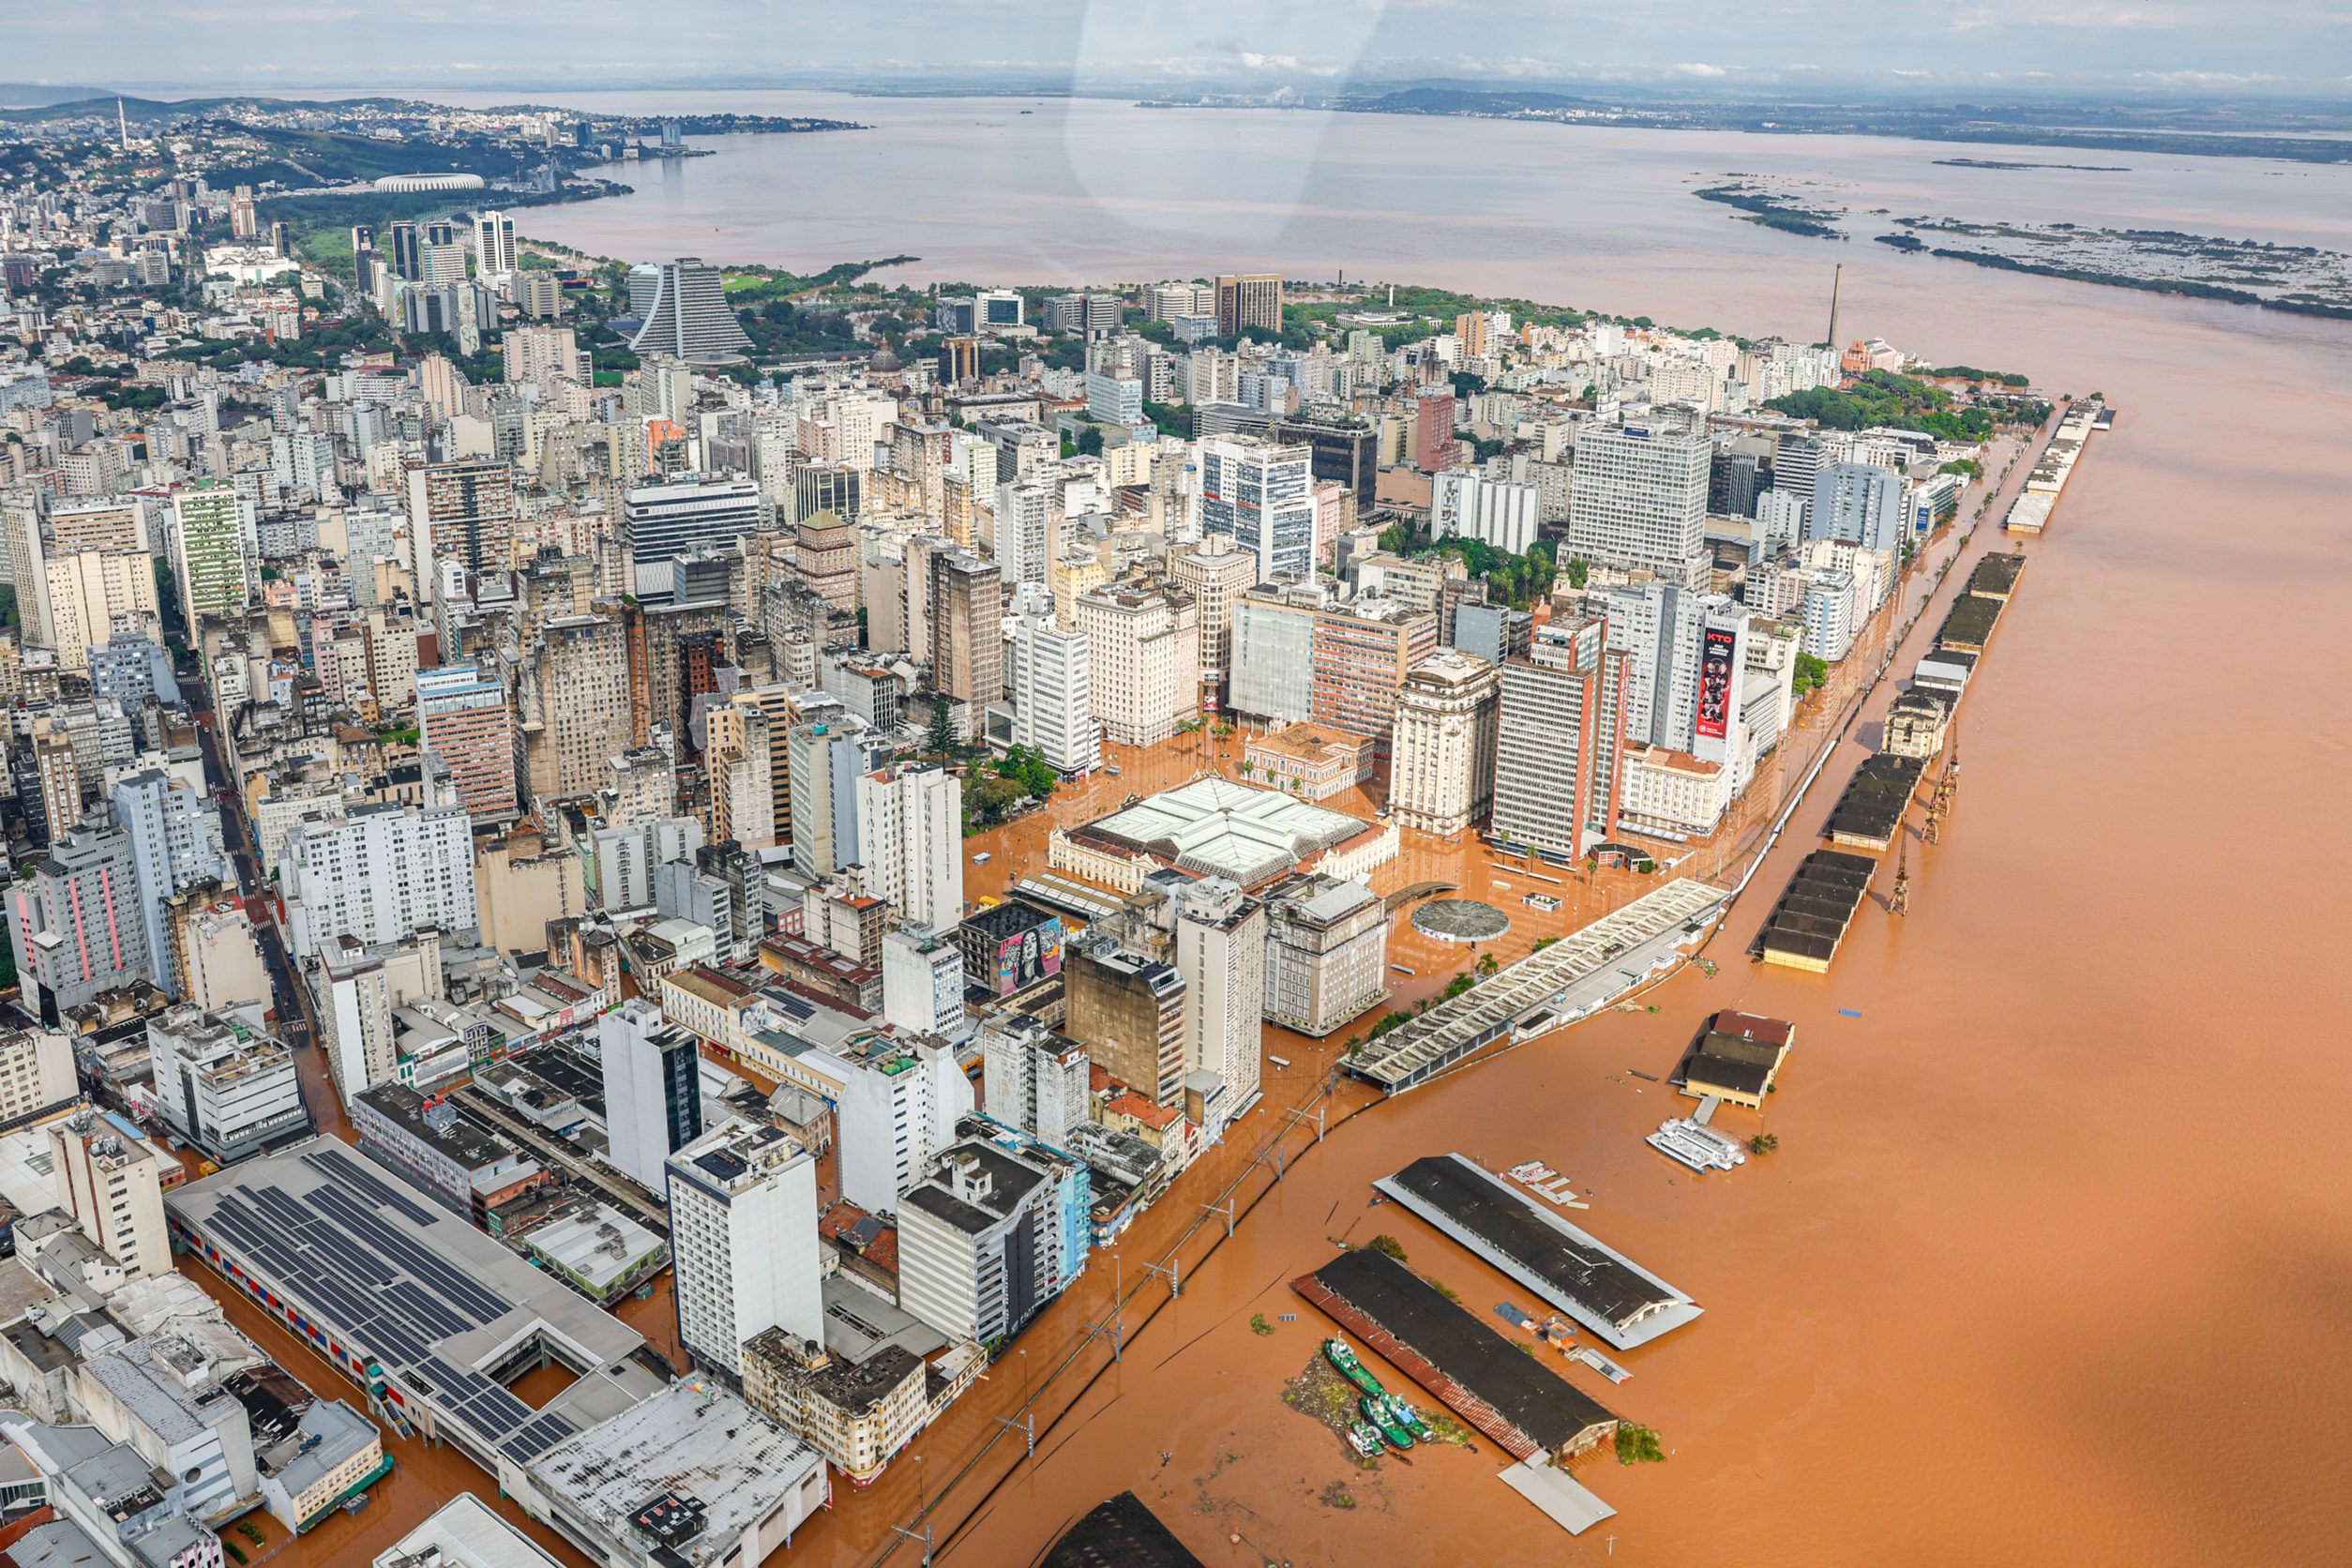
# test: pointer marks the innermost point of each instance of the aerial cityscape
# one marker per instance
(755, 824)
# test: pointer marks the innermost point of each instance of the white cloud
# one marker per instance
(1700, 69)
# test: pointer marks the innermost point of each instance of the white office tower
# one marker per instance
(1829, 615)
(1637, 497)
(1053, 693)
(379, 873)
(493, 247)
(1859, 504)
(653, 1091)
(1780, 518)
(689, 318)
(923, 981)
(910, 835)
(1262, 495)
(1703, 712)
(1641, 614)
(742, 1238)
(353, 996)
(1220, 950)
(1464, 503)
(1035, 1081)
(174, 844)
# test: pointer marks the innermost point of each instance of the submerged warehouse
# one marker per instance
(1870, 813)
(1592, 1283)
(1483, 1376)
(1813, 913)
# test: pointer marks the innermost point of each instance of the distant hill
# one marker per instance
(27, 94)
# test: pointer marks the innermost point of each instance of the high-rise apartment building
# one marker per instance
(984, 1245)
(407, 258)
(22, 512)
(1143, 644)
(108, 1183)
(923, 981)
(1860, 505)
(75, 924)
(1215, 574)
(353, 994)
(463, 719)
(208, 548)
(1639, 497)
(910, 820)
(1345, 447)
(967, 630)
(689, 318)
(581, 666)
(1035, 1080)
(541, 355)
(1248, 299)
(742, 1239)
(175, 838)
(1362, 653)
(1465, 502)
(1441, 773)
(1262, 495)
(653, 1091)
(1561, 739)
(1052, 687)
(462, 512)
(737, 761)
(59, 776)
(223, 1082)
(1130, 1011)
(1435, 446)
(1220, 947)
(380, 873)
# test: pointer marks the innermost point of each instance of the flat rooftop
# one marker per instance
(468, 1533)
(1407, 1320)
(1216, 827)
(1590, 1281)
(389, 1275)
(1876, 799)
(1816, 908)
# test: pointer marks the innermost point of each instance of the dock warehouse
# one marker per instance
(1482, 1375)
(1591, 1282)
(430, 1316)
(1736, 1059)
(1814, 908)
(1870, 813)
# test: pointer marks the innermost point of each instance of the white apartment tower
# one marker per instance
(1220, 950)
(1052, 686)
(742, 1239)
(910, 833)
(1441, 770)
(379, 873)
(1639, 496)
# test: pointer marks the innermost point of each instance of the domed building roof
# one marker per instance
(883, 360)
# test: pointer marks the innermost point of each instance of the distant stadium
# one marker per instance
(429, 182)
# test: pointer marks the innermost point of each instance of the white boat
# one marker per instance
(1678, 1152)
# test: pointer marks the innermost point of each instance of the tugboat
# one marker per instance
(1408, 1418)
(1344, 1362)
(1364, 1439)
(1374, 1408)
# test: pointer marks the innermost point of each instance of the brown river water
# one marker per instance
(2044, 1269)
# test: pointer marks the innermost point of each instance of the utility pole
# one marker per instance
(1174, 1270)
(924, 1538)
(1027, 1426)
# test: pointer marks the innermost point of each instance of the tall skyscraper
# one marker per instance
(408, 262)
(653, 1091)
(1215, 574)
(662, 523)
(464, 719)
(580, 669)
(689, 318)
(380, 873)
(1436, 447)
(910, 821)
(462, 512)
(1053, 693)
(1462, 501)
(1248, 299)
(967, 630)
(22, 511)
(743, 1226)
(1220, 949)
(1264, 496)
(174, 844)
(1639, 497)
(208, 548)
(1558, 754)
(493, 245)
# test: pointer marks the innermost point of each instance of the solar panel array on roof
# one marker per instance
(395, 1298)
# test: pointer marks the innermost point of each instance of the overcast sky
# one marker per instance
(1795, 47)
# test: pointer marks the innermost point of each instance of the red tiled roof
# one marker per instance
(1135, 1107)
(1773, 1032)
